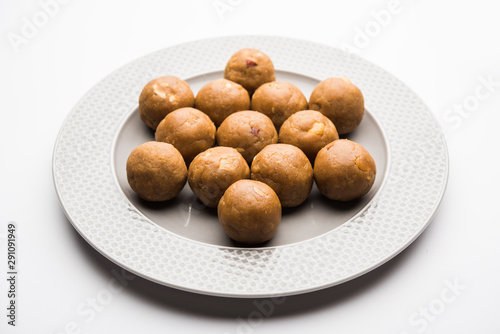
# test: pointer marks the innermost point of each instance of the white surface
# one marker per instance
(440, 50)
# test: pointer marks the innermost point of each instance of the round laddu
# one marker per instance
(250, 68)
(213, 171)
(309, 130)
(248, 132)
(189, 130)
(286, 169)
(220, 98)
(344, 170)
(339, 100)
(249, 212)
(278, 100)
(156, 171)
(161, 96)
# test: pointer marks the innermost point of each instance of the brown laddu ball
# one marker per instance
(161, 96)
(156, 171)
(213, 171)
(249, 212)
(220, 98)
(286, 169)
(189, 130)
(341, 101)
(250, 68)
(309, 130)
(248, 132)
(344, 170)
(278, 100)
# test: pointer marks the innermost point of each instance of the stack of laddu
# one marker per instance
(247, 144)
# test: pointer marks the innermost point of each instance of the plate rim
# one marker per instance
(214, 292)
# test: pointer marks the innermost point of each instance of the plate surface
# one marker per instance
(319, 244)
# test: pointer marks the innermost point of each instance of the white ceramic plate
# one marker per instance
(319, 244)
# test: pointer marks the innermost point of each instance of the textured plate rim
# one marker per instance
(141, 273)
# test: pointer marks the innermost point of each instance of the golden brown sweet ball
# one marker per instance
(286, 169)
(249, 212)
(344, 170)
(339, 100)
(189, 130)
(220, 98)
(156, 171)
(213, 171)
(278, 100)
(161, 96)
(250, 68)
(248, 132)
(309, 130)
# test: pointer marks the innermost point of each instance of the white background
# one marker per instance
(442, 50)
